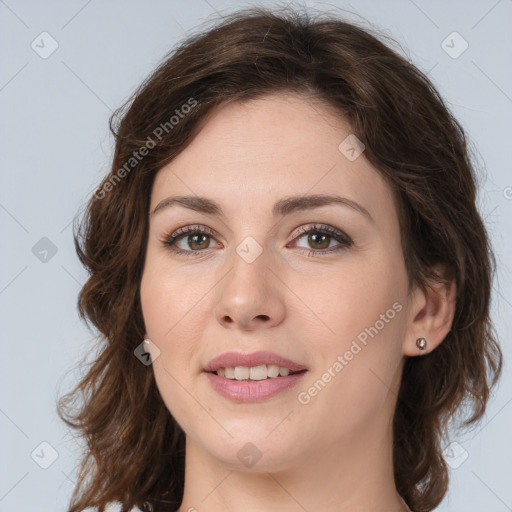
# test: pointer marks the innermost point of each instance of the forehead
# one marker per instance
(283, 127)
(266, 148)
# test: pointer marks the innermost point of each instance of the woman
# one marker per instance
(290, 278)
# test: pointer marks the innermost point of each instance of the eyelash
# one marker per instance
(170, 240)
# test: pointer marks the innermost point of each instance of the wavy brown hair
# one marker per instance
(134, 447)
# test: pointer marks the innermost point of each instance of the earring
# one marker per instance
(421, 343)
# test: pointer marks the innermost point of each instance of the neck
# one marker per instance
(356, 474)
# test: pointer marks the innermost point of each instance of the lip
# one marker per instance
(252, 391)
(256, 390)
(232, 359)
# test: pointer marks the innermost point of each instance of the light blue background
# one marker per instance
(55, 146)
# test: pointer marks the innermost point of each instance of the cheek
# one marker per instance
(167, 312)
(350, 300)
(363, 319)
(171, 299)
(176, 309)
(171, 323)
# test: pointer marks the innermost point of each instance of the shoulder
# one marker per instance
(113, 506)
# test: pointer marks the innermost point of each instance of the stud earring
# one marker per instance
(421, 343)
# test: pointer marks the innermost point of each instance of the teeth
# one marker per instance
(241, 372)
(260, 372)
(273, 370)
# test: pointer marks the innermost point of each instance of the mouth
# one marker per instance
(255, 373)
(252, 377)
(254, 366)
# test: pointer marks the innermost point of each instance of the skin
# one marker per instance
(334, 452)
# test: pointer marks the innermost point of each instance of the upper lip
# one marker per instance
(232, 359)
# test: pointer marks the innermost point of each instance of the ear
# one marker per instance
(431, 314)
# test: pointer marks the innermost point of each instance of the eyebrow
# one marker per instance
(281, 208)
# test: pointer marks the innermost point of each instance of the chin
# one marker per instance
(253, 450)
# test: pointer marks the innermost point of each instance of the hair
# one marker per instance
(135, 449)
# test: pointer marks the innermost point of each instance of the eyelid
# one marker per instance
(344, 241)
(170, 239)
(322, 228)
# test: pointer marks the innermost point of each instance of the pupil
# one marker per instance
(316, 236)
(198, 236)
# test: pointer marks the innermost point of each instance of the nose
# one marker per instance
(251, 296)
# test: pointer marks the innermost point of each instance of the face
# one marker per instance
(320, 284)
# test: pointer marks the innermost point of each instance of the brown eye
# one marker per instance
(319, 239)
(194, 243)
(194, 239)
(197, 239)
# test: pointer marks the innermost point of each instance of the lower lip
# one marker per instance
(252, 391)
